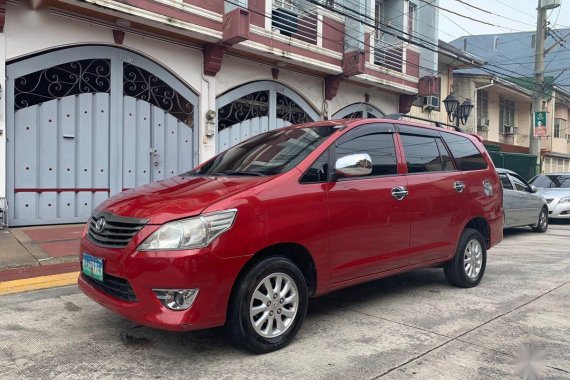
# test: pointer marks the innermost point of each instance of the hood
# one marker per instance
(176, 197)
(554, 192)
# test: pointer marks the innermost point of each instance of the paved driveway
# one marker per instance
(410, 326)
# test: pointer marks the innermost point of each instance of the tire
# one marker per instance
(542, 222)
(251, 291)
(458, 272)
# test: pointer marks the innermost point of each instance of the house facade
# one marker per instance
(105, 95)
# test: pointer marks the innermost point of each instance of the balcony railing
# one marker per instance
(389, 55)
(292, 20)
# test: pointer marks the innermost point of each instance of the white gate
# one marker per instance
(96, 121)
(259, 107)
(359, 110)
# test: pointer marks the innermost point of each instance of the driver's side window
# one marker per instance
(520, 184)
(380, 147)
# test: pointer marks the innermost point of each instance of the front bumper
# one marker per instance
(559, 211)
(144, 271)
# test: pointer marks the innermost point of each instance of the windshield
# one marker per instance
(269, 153)
(552, 181)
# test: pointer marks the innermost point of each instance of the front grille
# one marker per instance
(114, 286)
(117, 231)
(549, 200)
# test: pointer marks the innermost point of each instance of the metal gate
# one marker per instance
(520, 163)
(258, 107)
(94, 122)
(359, 110)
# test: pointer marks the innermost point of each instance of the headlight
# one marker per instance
(564, 200)
(190, 233)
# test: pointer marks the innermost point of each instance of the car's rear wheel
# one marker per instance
(542, 222)
(468, 265)
(268, 306)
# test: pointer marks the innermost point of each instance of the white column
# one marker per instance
(207, 143)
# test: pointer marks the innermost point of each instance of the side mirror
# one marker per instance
(354, 165)
(533, 189)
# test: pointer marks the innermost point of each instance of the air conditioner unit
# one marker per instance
(483, 122)
(509, 130)
(431, 102)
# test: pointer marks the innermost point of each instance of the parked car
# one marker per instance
(247, 237)
(555, 188)
(523, 205)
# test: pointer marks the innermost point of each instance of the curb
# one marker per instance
(39, 277)
(36, 283)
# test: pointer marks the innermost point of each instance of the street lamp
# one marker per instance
(455, 111)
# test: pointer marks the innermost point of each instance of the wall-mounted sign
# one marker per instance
(540, 124)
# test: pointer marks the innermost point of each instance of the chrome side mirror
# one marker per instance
(354, 165)
(533, 189)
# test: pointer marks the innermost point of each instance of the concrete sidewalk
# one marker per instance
(39, 251)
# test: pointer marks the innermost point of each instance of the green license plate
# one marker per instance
(93, 267)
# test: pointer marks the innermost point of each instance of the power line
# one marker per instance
(492, 13)
(471, 18)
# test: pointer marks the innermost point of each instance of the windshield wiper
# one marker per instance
(237, 172)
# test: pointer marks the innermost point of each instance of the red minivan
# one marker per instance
(247, 237)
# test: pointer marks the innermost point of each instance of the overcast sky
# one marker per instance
(452, 26)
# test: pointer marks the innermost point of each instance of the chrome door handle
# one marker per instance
(399, 192)
(459, 186)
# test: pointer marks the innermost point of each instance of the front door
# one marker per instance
(369, 228)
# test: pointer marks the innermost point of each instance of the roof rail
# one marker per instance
(399, 116)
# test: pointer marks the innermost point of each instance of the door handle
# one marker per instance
(459, 186)
(399, 192)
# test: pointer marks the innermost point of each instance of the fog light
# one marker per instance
(176, 299)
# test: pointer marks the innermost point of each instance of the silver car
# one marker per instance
(555, 187)
(522, 204)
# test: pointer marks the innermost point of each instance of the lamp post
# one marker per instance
(457, 112)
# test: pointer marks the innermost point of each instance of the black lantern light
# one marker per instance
(455, 111)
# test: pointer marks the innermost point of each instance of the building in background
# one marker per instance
(502, 90)
(105, 95)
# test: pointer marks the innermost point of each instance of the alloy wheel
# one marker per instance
(274, 305)
(473, 258)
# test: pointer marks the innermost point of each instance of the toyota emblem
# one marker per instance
(100, 224)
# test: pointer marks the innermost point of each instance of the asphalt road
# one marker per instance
(413, 326)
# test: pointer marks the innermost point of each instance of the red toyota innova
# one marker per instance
(247, 237)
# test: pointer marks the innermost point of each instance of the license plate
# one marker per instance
(93, 267)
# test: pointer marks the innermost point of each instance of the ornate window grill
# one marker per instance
(288, 110)
(71, 78)
(247, 107)
(141, 84)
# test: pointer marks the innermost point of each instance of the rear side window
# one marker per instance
(465, 152)
(422, 154)
(380, 147)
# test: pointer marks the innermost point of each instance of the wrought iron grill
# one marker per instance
(288, 110)
(71, 78)
(247, 107)
(141, 84)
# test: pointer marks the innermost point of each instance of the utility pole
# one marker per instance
(539, 87)
(538, 76)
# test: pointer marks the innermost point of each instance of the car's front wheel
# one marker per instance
(468, 265)
(268, 305)
(542, 222)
